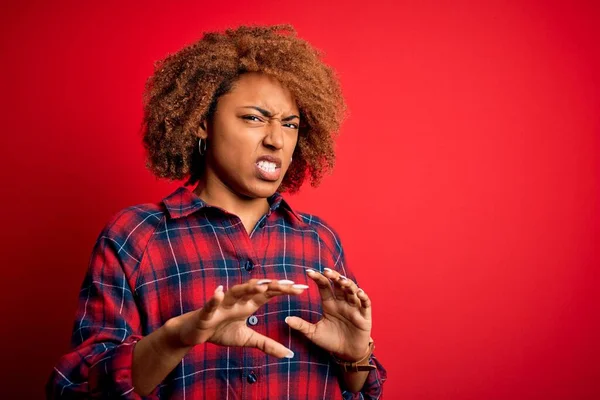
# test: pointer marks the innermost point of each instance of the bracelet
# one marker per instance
(348, 366)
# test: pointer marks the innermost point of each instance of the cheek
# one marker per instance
(234, 149)
(293, 144)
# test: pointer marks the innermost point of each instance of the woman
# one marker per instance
(210, 293)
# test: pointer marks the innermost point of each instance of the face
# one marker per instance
(252, 136)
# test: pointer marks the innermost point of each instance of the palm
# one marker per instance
(222, 320)
(229, 325)
(232, 334)
(345, 327)
(342, 324)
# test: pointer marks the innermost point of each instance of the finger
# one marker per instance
(213, 303)
(284, 286)
(323, 283)
(243, 292)
(336, 280)
(365, 302)
(268, 345)
(209, 308)
(302, 326)
(350, 289)
(278, 288)
(253, 286)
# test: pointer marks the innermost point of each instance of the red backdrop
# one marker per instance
(466, 190)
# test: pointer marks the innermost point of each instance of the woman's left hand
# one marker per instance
(345, 328)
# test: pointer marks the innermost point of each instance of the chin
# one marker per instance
(261, 189)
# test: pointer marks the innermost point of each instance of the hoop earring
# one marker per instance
(201, 148)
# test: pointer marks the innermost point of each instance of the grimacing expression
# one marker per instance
(252, 136)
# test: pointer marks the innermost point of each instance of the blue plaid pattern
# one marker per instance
(156, 261)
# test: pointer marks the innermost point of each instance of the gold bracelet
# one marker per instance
(348, 366)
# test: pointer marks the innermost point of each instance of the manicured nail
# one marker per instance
(219, 289)
(300, 286)
(327, 269)
(285, 320)
(342, 277)
(285, 282)
(263, 281)
(308, 270)
(290, 354)
(360, 291)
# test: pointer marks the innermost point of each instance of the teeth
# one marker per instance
(267, 166)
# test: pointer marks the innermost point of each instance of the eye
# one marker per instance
(252, 118)
(291, 125)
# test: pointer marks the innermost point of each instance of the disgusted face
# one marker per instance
(251, 137)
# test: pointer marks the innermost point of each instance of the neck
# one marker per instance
(215, 193)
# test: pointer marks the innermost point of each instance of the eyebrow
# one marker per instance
(269, 114)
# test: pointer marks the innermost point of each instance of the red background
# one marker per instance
(466, 190)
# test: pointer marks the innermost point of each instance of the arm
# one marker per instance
(345, 328)
(106, 328)
(372, 387)
(364, 384)
(344, 331)
(110, 358)
(221, 321)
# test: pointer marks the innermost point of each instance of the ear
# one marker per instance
(202, 132)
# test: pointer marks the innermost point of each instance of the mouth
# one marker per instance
(268, 168)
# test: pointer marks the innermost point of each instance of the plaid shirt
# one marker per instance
(153, 262)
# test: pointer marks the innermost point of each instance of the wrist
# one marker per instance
(357, 356)
(174, 335)
(362, 364)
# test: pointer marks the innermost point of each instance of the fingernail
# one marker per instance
(219, 289)
(308, 270)
(300, 286)
(263, 281)
(290, 354)
(360, 290)
(342, 277)
(327, 269)
(285, 282)
(285, 320)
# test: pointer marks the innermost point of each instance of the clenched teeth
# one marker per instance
(266, 166)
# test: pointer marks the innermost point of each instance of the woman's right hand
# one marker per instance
(222, 320)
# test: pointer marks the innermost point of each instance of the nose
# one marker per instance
(274, 135)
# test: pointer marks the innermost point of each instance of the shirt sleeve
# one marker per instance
(373, 387)
(106, 329)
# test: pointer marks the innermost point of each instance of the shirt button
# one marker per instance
(248, 266)
(252, 320)
(252, 377)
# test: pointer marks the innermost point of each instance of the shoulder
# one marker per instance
(328, 237)
(327, 234)
(131, 227)
(134, 218)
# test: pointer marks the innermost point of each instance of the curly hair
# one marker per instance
(185, 88)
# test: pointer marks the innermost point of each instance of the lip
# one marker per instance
(274, 160)
(269, 176)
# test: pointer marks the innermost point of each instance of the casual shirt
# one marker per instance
(156, 261)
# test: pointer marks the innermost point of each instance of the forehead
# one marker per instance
(261, 90)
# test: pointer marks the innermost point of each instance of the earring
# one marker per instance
(201, 148)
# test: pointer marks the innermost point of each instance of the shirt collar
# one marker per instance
(183, 202)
